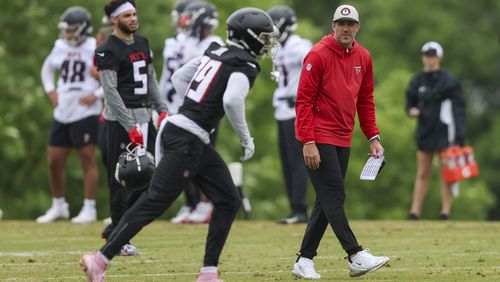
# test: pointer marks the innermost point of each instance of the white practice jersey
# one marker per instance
(196, 48)
(172, 61)
(75, 79)
(288, 61)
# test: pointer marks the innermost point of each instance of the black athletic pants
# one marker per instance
(294, 170)
(328, 182)
(186, 159)
(192, 192)
(117, 140)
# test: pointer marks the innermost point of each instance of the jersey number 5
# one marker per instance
(200, 84)
(140, 76)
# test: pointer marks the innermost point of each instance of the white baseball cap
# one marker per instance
(346, 12)
(432, 48)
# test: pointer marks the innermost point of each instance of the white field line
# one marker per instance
(412, 252)
(146, 275)
(291, 259)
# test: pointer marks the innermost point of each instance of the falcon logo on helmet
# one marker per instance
(253, 30)
(135, 168)
(75, 25)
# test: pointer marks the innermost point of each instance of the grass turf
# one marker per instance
(255, 251)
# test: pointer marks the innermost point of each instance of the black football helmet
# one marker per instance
(75, 25)
(135, 168)
(284, 19)
(198, 15)
(176, 14)
(253, 30)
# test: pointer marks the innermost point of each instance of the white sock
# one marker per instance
(89, 203)
(209, 269)
(58, 202)
(104, 258)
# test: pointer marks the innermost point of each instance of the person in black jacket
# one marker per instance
(435, 98)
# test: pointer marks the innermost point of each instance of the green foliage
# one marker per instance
(393, 31)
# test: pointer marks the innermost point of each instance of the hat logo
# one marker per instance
(345, 11)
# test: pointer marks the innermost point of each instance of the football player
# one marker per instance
(76, 111)
(198, 21)
(215, 84)
(173, 58)
(288, 61)
(128, 78)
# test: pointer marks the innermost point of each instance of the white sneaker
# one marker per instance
(364, 262)
(304, 268)
(202, 213)
(86, 215)
(54, 213)
(182, 215)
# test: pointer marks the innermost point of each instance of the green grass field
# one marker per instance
(255, 251)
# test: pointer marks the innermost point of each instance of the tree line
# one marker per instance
(393, 31)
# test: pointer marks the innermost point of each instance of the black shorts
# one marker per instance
(75, 134)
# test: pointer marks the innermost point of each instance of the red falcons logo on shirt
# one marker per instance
(357, 69)
(309, 67)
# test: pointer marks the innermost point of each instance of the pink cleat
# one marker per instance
(208, 277)
(94, 267)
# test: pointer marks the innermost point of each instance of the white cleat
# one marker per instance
(304, 268)
(182, 215)
(202, 213)
(128, 250)
(86, 215)
(107, 221)
(54, 213)
(364, 262)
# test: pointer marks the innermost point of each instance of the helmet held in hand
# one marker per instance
(135, 168)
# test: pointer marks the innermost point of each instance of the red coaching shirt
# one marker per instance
(335, 83)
